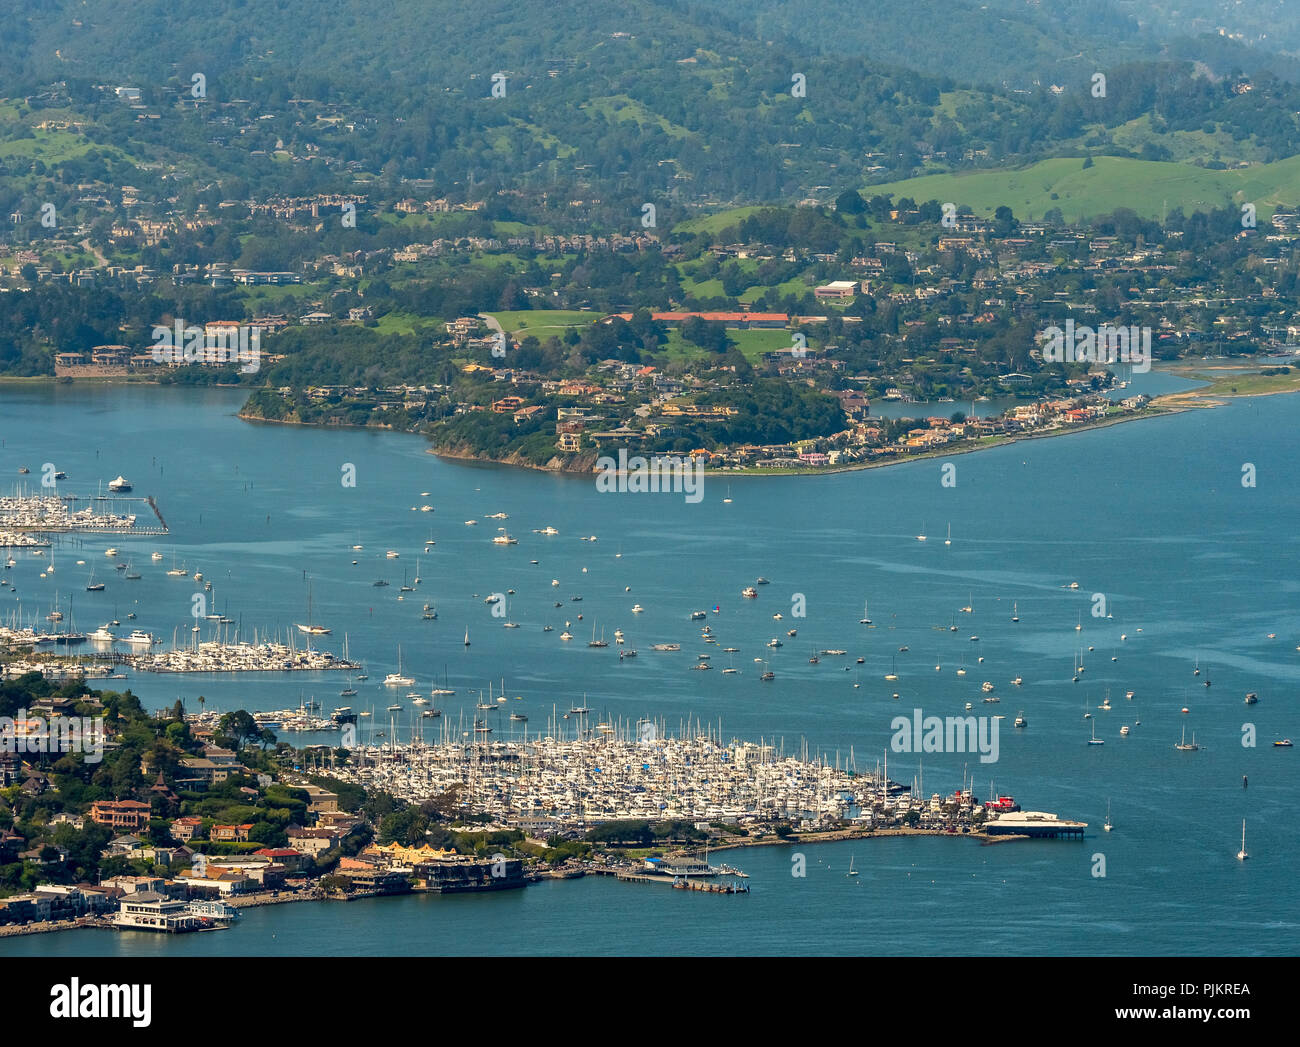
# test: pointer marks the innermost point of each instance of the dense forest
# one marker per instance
(643, 102)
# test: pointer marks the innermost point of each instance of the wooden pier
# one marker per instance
(681, 883)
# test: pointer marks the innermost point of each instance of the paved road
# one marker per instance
(494, 325)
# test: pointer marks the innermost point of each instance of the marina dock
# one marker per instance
(57, 514)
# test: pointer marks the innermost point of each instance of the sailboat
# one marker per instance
(93, 586)
(309, 628)
(893, 668)
(948, 540)
(1185, 746)
(407, 587)
(1015, 613)
(921, 537)
(727, 500)
(866, 617)
(349, 690)
(397, 679)
(1242, 854)
(1094, 740)
(467, 636)
(1107, 823)
(852, 871)
(446, 685)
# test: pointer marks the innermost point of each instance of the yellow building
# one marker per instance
(391, 854)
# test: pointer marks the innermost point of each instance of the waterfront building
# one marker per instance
(454, 873)
(155, 912)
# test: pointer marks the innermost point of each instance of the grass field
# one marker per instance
(712, 223)
(273, 294)
(401, 323)
(543, 322)
(1231, 382)
(54, 147)
(752, 344)
(1185, 146)
(1151, 189)
(623, 108)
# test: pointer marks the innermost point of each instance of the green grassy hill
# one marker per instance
(1148, 188)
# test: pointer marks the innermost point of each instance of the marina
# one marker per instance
(58, 514)
(637, 770)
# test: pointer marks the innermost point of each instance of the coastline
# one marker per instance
(1158, 410)
(559, 873)
(1166, 404)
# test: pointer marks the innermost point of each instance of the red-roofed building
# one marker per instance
(741, 320)
(184, 829)
(290, 858)
(126, 815)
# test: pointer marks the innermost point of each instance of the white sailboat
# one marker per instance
(1107, 823)
(852, 871)
(311, 629)
(948, 540)
(1242, 854)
